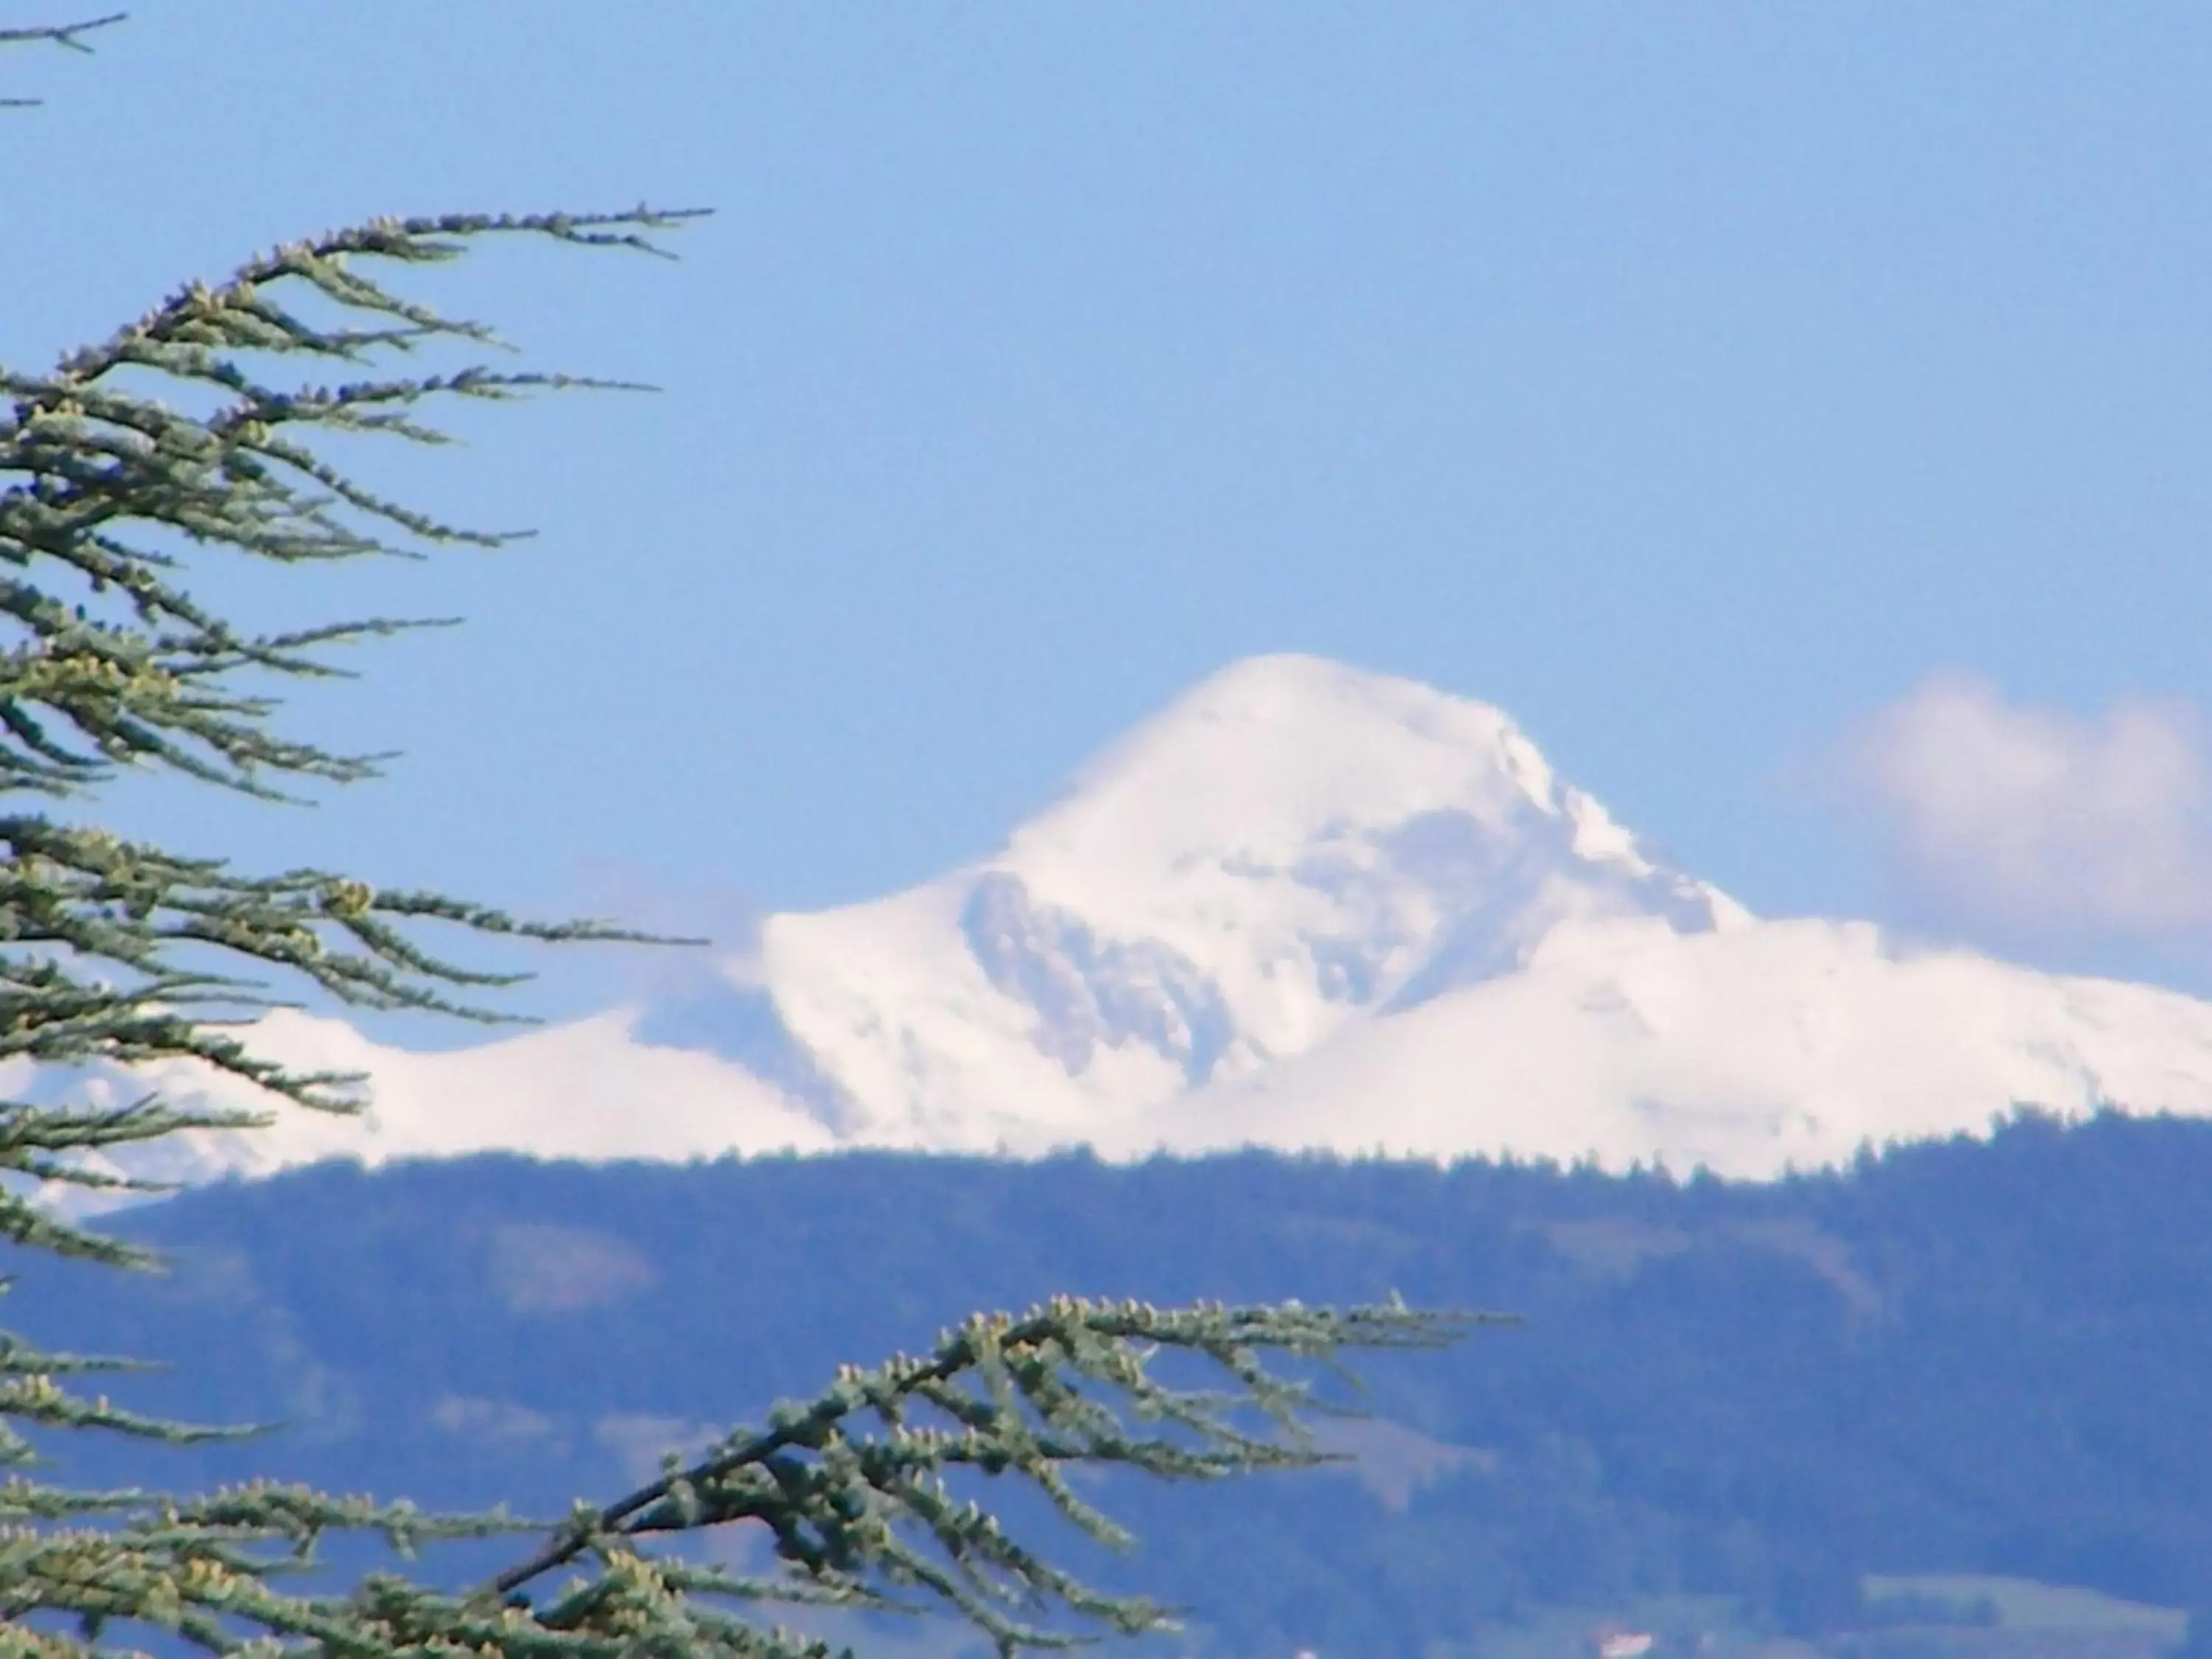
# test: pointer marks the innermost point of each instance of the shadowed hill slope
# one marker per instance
(1967, 1356)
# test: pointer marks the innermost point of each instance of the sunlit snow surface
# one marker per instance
(1301, 907)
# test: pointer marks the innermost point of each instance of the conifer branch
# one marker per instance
(107, 477)
(113, 952)
(69, 36)
(858, 1515)
(103, 482)
(60, 34)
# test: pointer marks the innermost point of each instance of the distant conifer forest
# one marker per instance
(1791, 1409)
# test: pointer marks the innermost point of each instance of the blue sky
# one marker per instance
(1694, 383)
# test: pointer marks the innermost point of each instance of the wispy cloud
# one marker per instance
(2036, 821)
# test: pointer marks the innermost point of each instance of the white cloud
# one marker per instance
(2037, 821)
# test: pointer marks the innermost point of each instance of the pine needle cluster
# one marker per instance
(176, 436)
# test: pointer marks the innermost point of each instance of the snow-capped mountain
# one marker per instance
(1289, 851)
(1302, 906)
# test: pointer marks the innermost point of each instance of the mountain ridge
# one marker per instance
(1302, 906)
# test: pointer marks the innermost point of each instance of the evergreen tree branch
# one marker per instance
(69, 36)
(858, 1515)
(99, 466)
(60, 34)
(108, 946)
(106, 473)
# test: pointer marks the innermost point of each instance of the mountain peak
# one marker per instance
(1296, 769)
(1287, 846)
(1273, 753)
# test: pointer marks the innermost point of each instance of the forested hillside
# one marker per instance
(1967, 1357)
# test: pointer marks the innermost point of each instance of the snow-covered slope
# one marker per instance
(1302, 906)
(1746, 1051)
